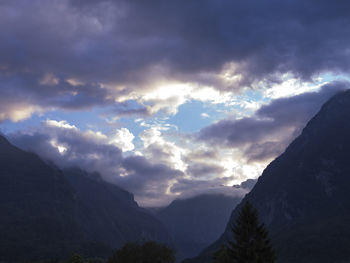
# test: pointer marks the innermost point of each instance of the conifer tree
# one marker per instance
(75, 258)
(223, 255)
(251, 242)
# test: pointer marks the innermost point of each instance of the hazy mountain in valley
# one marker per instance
(196, 222)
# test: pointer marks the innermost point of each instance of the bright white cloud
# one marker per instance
(291, 86)
(60, 148)
(157, 149)
(167, 96)
(123, 139)
(60, 124)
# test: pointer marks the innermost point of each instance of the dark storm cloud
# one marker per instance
(200, 155)
(131, 43)
(28, 89)
(150, 179)
(81, 150)
(203, 169)
(268, 36)
(190, 188)
(273, 126)
(201, 164)
(125, 109)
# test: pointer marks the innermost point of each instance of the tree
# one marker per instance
(223, 255)
(75, 258)
(148, 252)
(251, 242)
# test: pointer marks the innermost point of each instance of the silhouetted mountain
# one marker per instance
(196, 222)
(45, 213)
(303, 196)
(37, 207)
(109, 214)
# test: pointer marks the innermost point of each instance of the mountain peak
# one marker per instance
(71, 210)
(335, 109)
(303, 196)
(339, 99)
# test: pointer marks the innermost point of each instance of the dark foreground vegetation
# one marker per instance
(251, 244)
(131, 252)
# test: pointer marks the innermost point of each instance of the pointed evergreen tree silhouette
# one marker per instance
(252, 244)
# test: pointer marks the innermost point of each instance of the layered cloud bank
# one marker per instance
(168, 98)
(79, 54)
(211, 160)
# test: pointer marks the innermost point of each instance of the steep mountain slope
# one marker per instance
(196, 222)
(46, 213)
(109, 214)
(303, 196)
(37, 207)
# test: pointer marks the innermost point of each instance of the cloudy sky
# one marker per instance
(168, 98)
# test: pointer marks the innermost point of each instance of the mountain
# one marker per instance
(196, 222)
(303, 196)
(49, 213)
(109, 214)
(37, 207)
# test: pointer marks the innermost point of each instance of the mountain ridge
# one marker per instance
(46, 212)
(304, 193)
(36, 201)
(114, 217)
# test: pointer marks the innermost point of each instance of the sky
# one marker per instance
(168, 99)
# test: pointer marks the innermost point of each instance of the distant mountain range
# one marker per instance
(196, 222)
(48, 213)
(303, 196)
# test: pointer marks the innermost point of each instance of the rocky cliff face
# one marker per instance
(303, 196)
